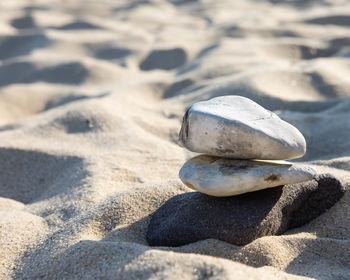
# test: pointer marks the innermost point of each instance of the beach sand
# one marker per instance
(92, 94)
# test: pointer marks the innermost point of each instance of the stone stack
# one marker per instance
(243, 192)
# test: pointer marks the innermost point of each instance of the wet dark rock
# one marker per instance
(239, 220)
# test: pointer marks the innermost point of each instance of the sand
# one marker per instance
(91, 99)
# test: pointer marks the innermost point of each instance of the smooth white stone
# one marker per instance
(226, 177)
(237, 127)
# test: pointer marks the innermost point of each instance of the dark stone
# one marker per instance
(239, 220)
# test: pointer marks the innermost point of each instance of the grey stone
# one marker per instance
(237, 127)
(225, 177)
(239, 220)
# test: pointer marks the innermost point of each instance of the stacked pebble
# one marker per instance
(256, 197)
(235, 134)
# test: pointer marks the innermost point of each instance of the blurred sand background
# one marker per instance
(91, 99)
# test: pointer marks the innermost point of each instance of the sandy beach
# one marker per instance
(92, 95)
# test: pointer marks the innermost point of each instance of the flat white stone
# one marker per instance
(237, 127)
(226, 177)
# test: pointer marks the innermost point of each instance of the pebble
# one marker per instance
(192, 216)
(237, 127)
(226, 177)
